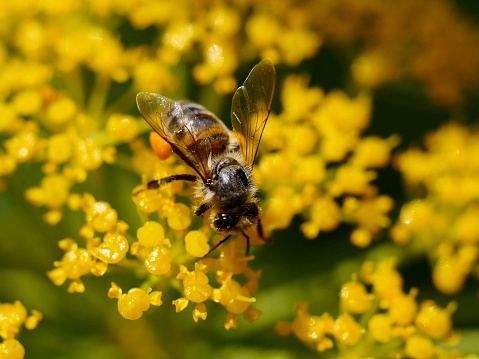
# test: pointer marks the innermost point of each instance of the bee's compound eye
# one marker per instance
(224, 222)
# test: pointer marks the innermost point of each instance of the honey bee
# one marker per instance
(222, 159)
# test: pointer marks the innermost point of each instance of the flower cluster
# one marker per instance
(165, 247)
(158, 253)
(12, 317)
(154, 253)
(105, 240)
(53, 114)
(319, 165)
(63, 38)
(383, 319)
(404, 40)
(441, 220)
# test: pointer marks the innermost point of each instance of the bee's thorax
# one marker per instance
(232, 183)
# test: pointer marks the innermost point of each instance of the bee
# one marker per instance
(222, 159)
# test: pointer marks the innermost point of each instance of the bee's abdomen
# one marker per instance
(203, 132)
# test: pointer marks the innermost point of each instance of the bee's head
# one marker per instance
(237, 221)
(225, 222)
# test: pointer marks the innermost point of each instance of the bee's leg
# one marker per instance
(247, 242)
(259, 228)
(202, 208)
(219, 244)
(158, 183)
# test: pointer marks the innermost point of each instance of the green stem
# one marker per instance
(98, 97)
(74, 85)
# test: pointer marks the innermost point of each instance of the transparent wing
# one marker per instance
(251, 107)
(173, 122)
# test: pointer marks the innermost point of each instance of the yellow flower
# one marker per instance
(123, 128)
(75, 263)
(403, 308)
(380, 328)
(433, 320)
(52, 193)
(100, 216)
(12, 317)
(233, 296)
(112, 249)
(346, 330)
(12, 348)
(354, 297)
(196, 243)
(196, 287)
(310, 329)
(151, 234)
(132, 304)
(418, 346)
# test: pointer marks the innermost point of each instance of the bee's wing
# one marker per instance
(171, 121)
(251, 107)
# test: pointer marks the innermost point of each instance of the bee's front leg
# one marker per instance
(202, 208)
(158, 183)
(220, 243)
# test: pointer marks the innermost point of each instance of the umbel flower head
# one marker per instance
(76, 159)
(385, 320)
(442, 220)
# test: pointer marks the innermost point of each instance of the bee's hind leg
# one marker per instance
(247, 242)
(259, 228)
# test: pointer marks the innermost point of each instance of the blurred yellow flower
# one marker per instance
(442, 222)
(393, 324)
(314, 132)
(12, 317)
